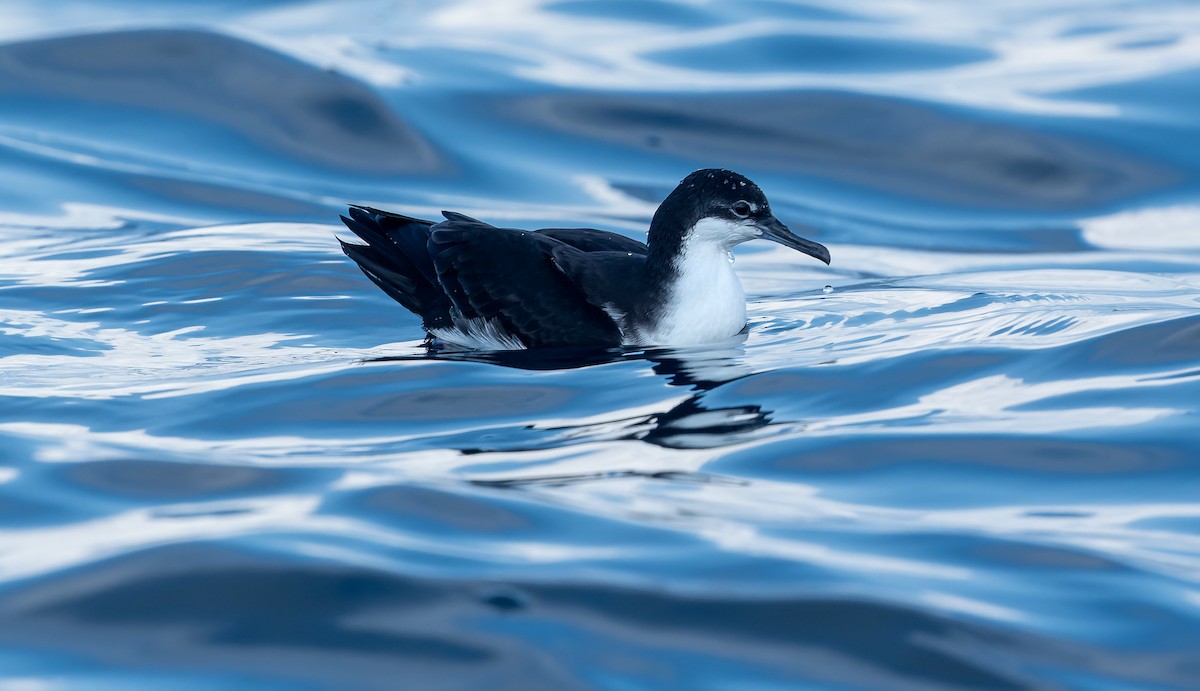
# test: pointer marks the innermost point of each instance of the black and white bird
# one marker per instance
(477, 286)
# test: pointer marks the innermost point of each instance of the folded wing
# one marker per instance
(477, 285)
(396, 258)
(507, 280)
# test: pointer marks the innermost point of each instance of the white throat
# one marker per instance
(705, 303)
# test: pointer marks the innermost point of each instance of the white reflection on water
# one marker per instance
(1109, 529)
(1164, 228)
(1039, 48)
(120, 362)
(70, 443)
(49, 548)
(978, 608)
(96, 379)
(1029, 310)
(988, 405)
(746, 539)
(787, 521)
(77, 216)
(1036, 48)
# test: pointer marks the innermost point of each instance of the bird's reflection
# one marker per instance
(691, 424)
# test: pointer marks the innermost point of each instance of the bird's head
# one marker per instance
(722, 208)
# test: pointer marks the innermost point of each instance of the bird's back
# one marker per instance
(479, 286)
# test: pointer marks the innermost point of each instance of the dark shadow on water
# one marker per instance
(690, 424)
(205, 607)
(161, 480)
(172, 78)
(906, 148)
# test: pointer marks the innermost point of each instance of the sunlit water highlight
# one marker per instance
(227, 460)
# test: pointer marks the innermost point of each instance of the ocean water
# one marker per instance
(964, 456)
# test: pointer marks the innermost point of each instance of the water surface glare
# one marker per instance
(964, 456)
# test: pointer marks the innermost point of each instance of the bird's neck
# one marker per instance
(665, 240)
(699, 298)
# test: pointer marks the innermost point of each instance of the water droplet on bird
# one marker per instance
(828, 289)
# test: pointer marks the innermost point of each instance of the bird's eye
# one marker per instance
(741, 209)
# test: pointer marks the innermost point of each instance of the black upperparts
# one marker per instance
(509, 277)
(710, 192)
(397, 260)
(545, 288)
(554, 286)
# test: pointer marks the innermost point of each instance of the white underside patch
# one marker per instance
(706, 303)
(478, 334)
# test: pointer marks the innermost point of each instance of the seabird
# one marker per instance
(476, 286)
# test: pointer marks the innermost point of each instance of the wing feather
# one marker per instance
(592, 240)
(510, 276)
(396, 258)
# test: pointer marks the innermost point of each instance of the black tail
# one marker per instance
(396, 258)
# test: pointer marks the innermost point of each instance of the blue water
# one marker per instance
(973, 461)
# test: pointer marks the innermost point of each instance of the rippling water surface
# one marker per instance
(972, 461)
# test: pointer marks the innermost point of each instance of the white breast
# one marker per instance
(706, 303)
